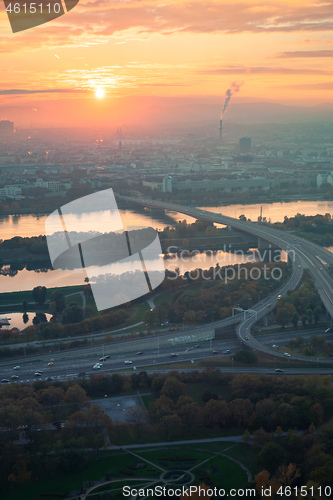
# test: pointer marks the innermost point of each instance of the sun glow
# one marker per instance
(99, 93)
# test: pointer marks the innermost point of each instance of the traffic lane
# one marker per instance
(81, 367)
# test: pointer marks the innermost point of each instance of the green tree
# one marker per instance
(283, 316)
(295, 319)
(173, 388)
(170, 426)
(72, 314)
(316, 313)
(271, 457)
(39, 294)
(73, 461)
(59, 299)
(246, 436)
(304, 319)
(309, 316)
(246, 356)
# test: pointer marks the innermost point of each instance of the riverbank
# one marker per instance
(265, 198)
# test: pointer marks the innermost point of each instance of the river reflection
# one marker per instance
(27, 280)
(34, 225)
(16, 320)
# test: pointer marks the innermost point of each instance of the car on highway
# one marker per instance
(50, 363)
(5, 381)
(14, 377)
(286, 354)
(173, 355)
(275, 346)
(128, 362)
(104, 358)
(327, 330)
(139, 353)
(97, 366)
(37, 374)
(279, 297)
(215, 351)
(197, 345)
(247, 338)
(17, 367)
(278, 370)
(227, 351)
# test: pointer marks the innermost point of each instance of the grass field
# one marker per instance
(19, 297)
(122, 465)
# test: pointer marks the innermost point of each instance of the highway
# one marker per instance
(143, 355)
(303, 254)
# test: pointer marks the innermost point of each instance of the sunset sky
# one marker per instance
(174, 51)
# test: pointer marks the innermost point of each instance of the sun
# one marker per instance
(99, 93)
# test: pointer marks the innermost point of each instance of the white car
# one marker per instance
(97, 366)
(286, 354)
(128, 362)
(17, 367)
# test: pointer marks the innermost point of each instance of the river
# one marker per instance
(32, 225)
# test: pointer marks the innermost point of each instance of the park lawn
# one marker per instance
(172, 456)
(223, 473)
(137, 313)
(117, 486)
(165, 297)
(19, 297)
(150, 398)
(96, 469)
(196, 389)
(77, 297)
(90, 302)
(240, 451)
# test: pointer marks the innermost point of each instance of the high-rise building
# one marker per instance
(167, 184)
(245, 145)
(6, 127)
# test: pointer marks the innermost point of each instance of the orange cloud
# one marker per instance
(305, 53)
(94, 22)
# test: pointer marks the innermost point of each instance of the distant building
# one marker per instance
(226, 185)
(245, 145)
(6, 128)
(54, 186)
(13, 192)
(167, 184)
(324, 178)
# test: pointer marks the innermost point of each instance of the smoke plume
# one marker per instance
(233, 89)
